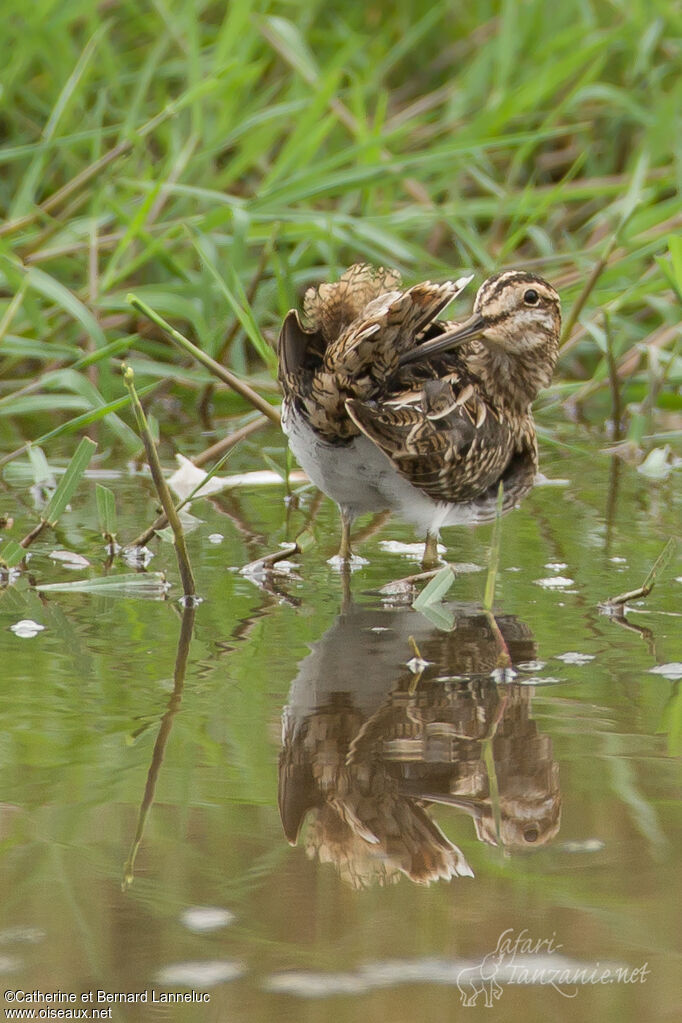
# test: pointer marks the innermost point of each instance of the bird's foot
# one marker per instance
(431, 560)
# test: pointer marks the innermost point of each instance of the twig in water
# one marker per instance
(220, 447)
(268, 561)
(165, 727)
(663, 559)
(188, 586)
(161, 521)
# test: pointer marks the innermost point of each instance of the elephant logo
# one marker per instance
(480, 979)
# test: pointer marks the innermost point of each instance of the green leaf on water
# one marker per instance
(439, 615)
(106, 510)
(306, 540)
(149, 585)
(435, 589)
(70, 480)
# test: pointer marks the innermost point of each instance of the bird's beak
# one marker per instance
(451, 339)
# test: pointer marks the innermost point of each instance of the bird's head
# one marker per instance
(515, 311)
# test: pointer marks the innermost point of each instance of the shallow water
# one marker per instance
(146, 817)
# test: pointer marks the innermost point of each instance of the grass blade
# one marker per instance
(106, 510)
(84, 420)
(660, 564)
(69, 481)
(11, 553)
(237, 300)
(39, 466)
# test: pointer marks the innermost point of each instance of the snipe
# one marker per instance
(386, 406)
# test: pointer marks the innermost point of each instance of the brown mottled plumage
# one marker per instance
(365, 753)
(388, 407)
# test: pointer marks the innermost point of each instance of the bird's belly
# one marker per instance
(360, 478)
(352, 474)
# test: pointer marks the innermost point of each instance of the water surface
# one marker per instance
(441, 813)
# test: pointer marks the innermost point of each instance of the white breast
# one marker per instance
(360, 478)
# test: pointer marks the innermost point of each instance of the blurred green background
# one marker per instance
(214, 158)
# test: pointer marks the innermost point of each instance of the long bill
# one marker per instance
(451, 339)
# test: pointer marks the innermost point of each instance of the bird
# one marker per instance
(386, 406)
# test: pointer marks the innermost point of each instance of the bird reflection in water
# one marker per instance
(366, 751)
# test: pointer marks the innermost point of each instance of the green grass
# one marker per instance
(213, 158)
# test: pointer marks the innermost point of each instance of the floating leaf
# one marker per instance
(439, 615)
(149, 585)
(305, 540)
(435, 589)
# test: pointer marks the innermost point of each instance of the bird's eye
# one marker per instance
(531, 834)
(531, 297)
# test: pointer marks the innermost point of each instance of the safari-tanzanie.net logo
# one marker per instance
(518, 958)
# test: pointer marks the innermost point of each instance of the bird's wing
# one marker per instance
(294, 344)
(371, 345)
(332, 306)
(444, 439)
(363, 358)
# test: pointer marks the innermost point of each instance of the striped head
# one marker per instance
(518, 316)
(518, 311)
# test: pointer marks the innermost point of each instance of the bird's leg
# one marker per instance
(345, 552)
(430, 559)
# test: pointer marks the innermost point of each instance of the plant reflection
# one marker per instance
(367, 746)
(165, 727)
